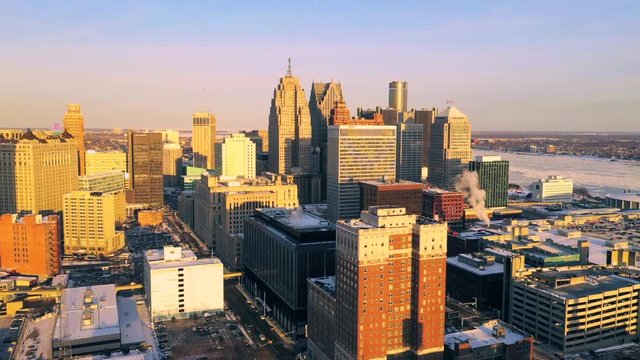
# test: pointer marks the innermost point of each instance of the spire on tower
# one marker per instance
(289, 68)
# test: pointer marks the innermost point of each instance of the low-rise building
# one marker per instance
(552, 189)
(492, 340)
(150, 217)
(177, 283)
(443, 205)
(400, 193)
(475, 276)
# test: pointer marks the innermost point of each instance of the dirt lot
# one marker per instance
(221, 337)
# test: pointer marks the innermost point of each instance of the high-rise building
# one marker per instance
(390, 116)
(409, 152)
(426, 117)
(203, 140)
(283, 248)
(170, 136)
(174, 286)
(220, 205)
(260, 138)
(390, 286)
(144, 164)
(171, 164)
(74, 124)
(493, 173)
(398, 95)
(111, 183)
(357, 153)
(340, 115)
(35, 173)
(321, 318)
(185, 207)
(98, 162)
(90, 223)
(450, 148)
(445, 206)
(554, 188)
(401, 193)
(289, 127)
(236, 156)
(31, 244)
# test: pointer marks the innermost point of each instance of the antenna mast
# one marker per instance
(289, 68)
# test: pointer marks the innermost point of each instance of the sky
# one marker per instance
(509, 65)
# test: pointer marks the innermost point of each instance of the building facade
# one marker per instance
(409, 152)
(109, 182)
(174, 286)
(425, 117)
(475, 277)
(398, 95)
(30, 244)
(289, 127)
(444, 205)
(357, 153)
(98, 162)
(283, 248)
(390, 286)
(450, 147)
(553, 188)
(404, 194)
(74, 124)
(144, 164)
(492, 340)
(321, 317)
(171, 164)
(36, 172)
(493, 173)
(203, 141)
(90, 223)
(236, 156)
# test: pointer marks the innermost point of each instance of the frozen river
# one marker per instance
(599, 176)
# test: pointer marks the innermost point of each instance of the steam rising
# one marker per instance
(469, 184)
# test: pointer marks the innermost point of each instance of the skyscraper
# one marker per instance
(409, 152)
(203, 140)
(31, 244)
(357, 153)
(289, 128)
(74, 124)
(450, 148)
(398, 95)
(426, 117)
(236, 156)
(35, 173)
(390, 286)
(144, 164)
(493, 173)
(171, 164)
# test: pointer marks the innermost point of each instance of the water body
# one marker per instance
(599, 176)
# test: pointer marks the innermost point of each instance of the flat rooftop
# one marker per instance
(327, 283)
(394, 185)
(483, 336)
(157, 259)
(496, 268)
(297, 219)
(129, 319)
(596, 282)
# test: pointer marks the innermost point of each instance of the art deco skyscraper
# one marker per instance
(398, 95)
(74, 124)
(203, 140)
(289, 128)
(144, 164)
(450, 150)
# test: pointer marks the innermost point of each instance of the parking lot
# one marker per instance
(216, 337)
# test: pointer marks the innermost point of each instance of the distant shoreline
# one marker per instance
(603, 158)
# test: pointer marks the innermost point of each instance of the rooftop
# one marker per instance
(489, 334)
(327, 284)
(595, 282)
(390, 185)
(297, 219)
(174, 256)
(625, 196)
(496, 268)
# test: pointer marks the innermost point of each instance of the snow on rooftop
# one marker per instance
(496, 268)
(175, 257)
(129, 319)
(484, 336)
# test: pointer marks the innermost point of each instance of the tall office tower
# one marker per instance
(450, 148)
(390, 286)
(31, 244)
(323, 99)
(171, 164)
(111, 183)
(98, 162)
(390, 116)
(144, 165)
(90, 224)
(236, 156)
(409, 152)
(220, 205)
(493, 173)
(398, 95)
(35, 173)
(203, 141)
(426, 117)
(74, 124)
(260, 138)
(357, 153)
(289, 128)
(401, 193)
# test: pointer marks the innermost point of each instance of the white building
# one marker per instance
(236, 156)
(177, 283)
(554, 188)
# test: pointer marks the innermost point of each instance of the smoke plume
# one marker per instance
(469, 184)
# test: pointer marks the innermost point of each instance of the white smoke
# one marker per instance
(469, 184)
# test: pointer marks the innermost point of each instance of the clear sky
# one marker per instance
(510, 65)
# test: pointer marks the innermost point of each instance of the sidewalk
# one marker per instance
(274, 325)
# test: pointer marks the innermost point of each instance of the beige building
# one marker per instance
(74, 124)
(220, 206)
(203, 140)
(98, 162)
(357, 153)
(553, 188)
(289, 128)
(11, 134)
(109, 182)
(450, 147)
(35, 173)
(89, 223)
(171, 164)
(236, 156)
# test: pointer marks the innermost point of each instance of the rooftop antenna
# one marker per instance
(289, 68)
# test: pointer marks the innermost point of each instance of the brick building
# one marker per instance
(444, 205)
(401, 193)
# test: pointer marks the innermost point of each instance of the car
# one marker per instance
(262, 337)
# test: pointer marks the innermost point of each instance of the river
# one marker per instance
(599, 176)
